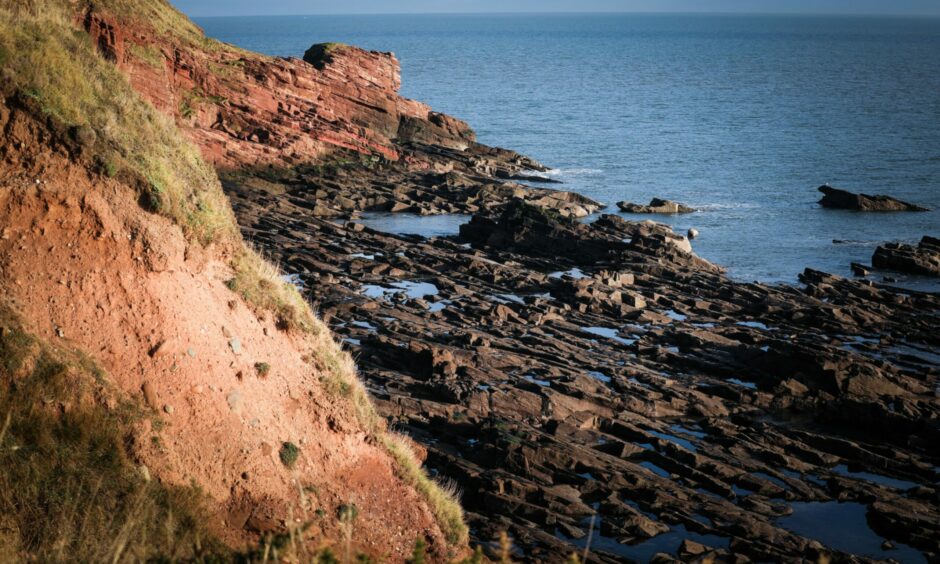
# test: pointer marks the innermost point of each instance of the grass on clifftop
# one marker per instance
(159, 15)
(44, 57)
(68, 491)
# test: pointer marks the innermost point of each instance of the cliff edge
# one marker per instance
(246, 109)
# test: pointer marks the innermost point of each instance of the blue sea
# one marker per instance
(742, 117)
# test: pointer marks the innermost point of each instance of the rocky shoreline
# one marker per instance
(600, 377)
(582, 384)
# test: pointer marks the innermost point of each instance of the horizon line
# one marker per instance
(586, 12)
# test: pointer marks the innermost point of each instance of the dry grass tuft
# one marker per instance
(68, 491)
(261, 284)
(442, 499)
(338, 376)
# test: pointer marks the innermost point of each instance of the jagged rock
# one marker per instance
(860, 269)
(244, 109)
(923, 259)
(841, 199)
(537, 373)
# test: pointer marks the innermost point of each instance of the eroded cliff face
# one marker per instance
(245, 109)
(223, 387)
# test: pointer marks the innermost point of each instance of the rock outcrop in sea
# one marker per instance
(924, 259)
(656, 205)
(841, 199)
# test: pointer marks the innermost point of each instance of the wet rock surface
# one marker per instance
(842, 199)
(565, 373)
(656, 205)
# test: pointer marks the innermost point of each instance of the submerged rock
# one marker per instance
(836, 198)
(656, 205)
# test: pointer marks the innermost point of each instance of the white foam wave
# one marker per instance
(572, 172)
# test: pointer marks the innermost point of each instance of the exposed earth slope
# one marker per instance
(116, 241)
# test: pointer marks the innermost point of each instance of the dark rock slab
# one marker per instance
(835, 198)
(923, 259)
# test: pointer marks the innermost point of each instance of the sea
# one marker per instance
(739, 116)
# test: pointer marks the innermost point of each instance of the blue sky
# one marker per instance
(290, 7)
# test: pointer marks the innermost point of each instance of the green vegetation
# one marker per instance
(262, 368)
(194, 99)
(288, 454)
(68, 490)
(420, 552)
(332, 46)
(149, 54)
(347, 513)
(159, 14)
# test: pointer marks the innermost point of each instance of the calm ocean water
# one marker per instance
(740, 116)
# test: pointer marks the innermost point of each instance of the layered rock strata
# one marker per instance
(561, 375)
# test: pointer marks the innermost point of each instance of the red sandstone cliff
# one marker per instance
(245, 109)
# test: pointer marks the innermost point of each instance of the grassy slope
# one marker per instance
(44, 56)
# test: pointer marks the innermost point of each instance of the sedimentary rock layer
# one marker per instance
(562, 376)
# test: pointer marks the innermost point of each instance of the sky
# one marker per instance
(199, 8)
